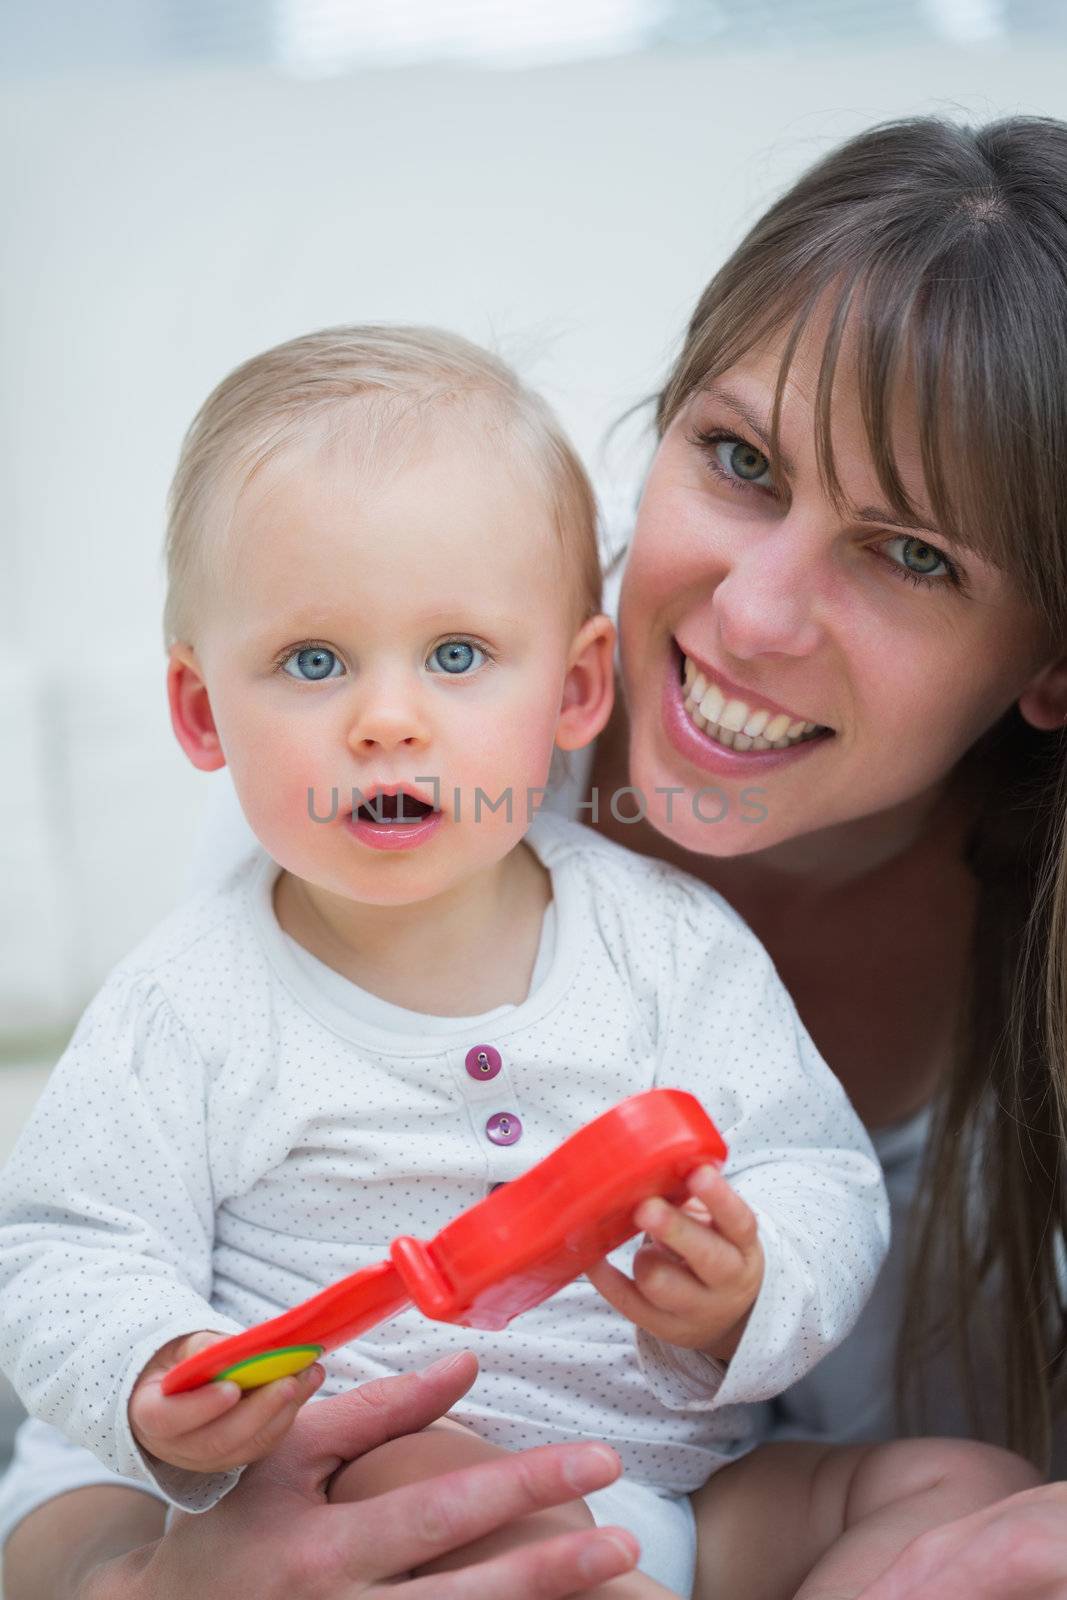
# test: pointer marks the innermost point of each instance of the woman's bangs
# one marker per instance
(941, 348)
(926, 339)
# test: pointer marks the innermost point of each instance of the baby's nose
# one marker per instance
(388, 721)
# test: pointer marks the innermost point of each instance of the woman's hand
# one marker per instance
(697, 1278)
(276, 1537)
(1014, 1550)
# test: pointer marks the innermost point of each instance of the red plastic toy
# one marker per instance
(502, 1256)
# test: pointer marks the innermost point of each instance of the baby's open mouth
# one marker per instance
(393, 808)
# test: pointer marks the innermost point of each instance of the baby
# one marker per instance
(384, 616)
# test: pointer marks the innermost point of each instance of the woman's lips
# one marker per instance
(705, 752)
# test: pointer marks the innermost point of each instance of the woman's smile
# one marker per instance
(734, 718)
(714, 747)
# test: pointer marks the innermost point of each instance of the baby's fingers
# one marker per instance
(622, 1293)
(673, 1286)
(159, 1419)
(708, 1255)
(731, 1216)
(253, 1428)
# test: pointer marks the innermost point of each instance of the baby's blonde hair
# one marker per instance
(264, 404)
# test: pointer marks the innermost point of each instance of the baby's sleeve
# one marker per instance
(798, 1154)
(107, 1228)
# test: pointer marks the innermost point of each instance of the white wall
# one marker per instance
(153, 233)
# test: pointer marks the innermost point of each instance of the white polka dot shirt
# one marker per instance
(225, 1136)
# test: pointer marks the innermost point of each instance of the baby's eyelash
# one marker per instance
(706, 439)
(466, 638)
(292, 650)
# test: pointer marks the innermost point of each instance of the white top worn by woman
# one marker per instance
(225, 1136)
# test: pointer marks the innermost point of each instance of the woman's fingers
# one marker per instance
(424, 1520)
(337, 1430)
(564, 1566)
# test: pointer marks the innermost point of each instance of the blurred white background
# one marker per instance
(184, 182)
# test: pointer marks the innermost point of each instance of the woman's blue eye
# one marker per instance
(456, 657)
(313, 664)
(733, 460)
(743, 461)
(920, 560)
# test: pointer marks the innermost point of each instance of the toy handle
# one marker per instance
(294, 1340)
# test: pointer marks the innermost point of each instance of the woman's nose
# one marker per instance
(389, 716)
(769, 602)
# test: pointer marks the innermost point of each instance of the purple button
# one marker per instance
(482, 1061)
(504, 1127)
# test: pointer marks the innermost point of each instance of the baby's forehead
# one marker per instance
(368, 444)
(389, 518)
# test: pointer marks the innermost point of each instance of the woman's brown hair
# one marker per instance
(942, 249)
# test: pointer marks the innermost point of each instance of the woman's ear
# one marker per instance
(589, 687)
(190, 710)
(1043, 703)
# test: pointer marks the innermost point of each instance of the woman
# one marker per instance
(843, 619)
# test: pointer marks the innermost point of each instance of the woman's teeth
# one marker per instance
(737, 725)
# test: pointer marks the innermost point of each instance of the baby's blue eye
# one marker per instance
(312, 665)
(456, 657)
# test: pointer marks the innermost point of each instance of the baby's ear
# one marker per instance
(589, 687)
(1043, 703)
(190, 710)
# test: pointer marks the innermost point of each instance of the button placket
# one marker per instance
(493, 1107)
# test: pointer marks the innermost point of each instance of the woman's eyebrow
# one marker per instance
(734, 402)
(892, 519)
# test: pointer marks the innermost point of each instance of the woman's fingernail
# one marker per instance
(612, 1553)
(445, 1364)
(584, 1468)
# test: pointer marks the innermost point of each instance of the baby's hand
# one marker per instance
(217, 1426)
(697, 1280)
